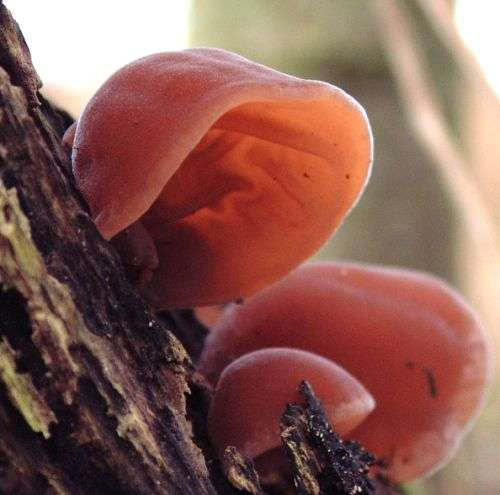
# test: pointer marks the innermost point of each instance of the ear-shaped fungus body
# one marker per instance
(254, 390)
(407, 337)
(236, 171)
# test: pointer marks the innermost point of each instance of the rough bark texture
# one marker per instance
(97, 394)
(323, 462)
(92, 384)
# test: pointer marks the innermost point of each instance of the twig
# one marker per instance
(439, 17)
(424, 114)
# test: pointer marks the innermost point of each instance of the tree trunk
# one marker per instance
(92, 383)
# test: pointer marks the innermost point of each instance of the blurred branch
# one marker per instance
(440, 18)
(426, 117)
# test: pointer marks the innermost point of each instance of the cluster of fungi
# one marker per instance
(216, 178)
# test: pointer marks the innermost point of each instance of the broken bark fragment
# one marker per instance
(322, 463)
(240, 471)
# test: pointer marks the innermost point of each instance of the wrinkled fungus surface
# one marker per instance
(237, 172)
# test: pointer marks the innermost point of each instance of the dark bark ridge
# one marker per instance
(323, 462)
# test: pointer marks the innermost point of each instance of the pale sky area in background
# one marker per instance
(479, 24)
(76, 45)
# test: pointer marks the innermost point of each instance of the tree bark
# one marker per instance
(92, 383)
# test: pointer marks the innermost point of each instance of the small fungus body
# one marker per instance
(235, 172)
(253, 391)
(407, 337)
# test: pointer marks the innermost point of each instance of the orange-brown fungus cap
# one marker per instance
(253, 392)
(407, 337)
(238, 172)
